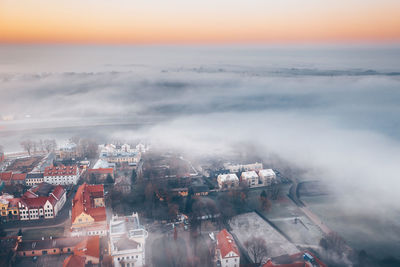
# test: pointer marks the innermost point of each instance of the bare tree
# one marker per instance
(257, 249)
(27, 145)
(49, 145)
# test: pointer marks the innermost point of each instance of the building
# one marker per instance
(34, 178)
(2, 157)
(200, 190)
(68, 151)
(48, 246)
(226, 251)
(226, 181)
(267, 176)
(88, 215)
(11, 178)
(101, 174)
(42, 202)
(303, 259)
(234, 168)
(87, 252)
(61, 175)
(250, 178)
(127, 241)
(7, 212)
(120, 154)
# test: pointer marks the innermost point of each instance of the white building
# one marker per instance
(267, 176)
(227, 180)
(127, 241)
(250, 178)
(34, 178)
(61, 175)
(37, 204)
(243, 167)
(226, 251)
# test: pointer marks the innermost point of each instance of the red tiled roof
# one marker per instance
(29, 194)
(226, 243)
(297, 260)
(13, 202)
(35, 203)
(102, 171)
(83, 202)
(58, 192)
(5, 176)
(18, 176)
(89, 247)
(60, 170)
(74, 261)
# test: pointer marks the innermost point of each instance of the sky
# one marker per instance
(190, 21)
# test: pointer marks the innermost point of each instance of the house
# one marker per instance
(226, 181)
(42, 202)
(226, 251)
(233, 168)
(250, 178)
(267, 176)
(183, 191)
(101, 174)
(88, 215)
(127, 239)
(200, 190)
(8, 213)
(119, 154)
(61, 175)
(18, 178)
(50, 246)
(34, 178)
(302, 259)
(85, 252)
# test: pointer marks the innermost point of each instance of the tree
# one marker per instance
(49, 145)
(133, 176)
(27, 145)
(92, 178)
(257, 249)
(264, 202)
(109, 179)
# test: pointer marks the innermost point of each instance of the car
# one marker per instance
(35, 258)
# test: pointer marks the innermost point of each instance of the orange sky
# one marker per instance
(207, 21)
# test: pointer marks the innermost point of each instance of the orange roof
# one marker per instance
(226, 243)
(58, 192)
(88, 247)
(84, 202)
(74, 261)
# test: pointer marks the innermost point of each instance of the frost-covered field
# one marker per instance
(248, 225)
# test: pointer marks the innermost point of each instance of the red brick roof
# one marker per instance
(295, 260)
(34, 203)
(84, 202)
(18, 176)
(226, 243)
(5, 176)
(89, 247)
(74, 261)
(60, 170)
(58, 192)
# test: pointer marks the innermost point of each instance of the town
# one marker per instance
(119, 204)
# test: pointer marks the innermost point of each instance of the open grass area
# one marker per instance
(36, 234)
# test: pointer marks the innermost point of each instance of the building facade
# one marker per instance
(226, 251)
(250, 178)
(61, 175)
(88, 214)
(226, 181)
(127, 241)
(267, 176)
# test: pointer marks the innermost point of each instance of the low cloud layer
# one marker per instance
(339, 121)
